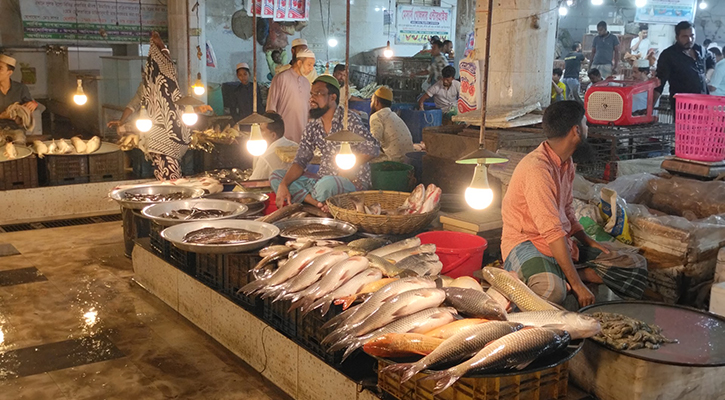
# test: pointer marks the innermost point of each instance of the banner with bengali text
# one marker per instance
(667, 12)
(415, 25)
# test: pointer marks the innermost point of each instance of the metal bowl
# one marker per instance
(154, 212)
(175, 234)
(255, 202)
(346, 228)
(118, 194)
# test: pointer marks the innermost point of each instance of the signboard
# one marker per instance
(415, 25)
(114, 21)
(668, 12)
(281, 10)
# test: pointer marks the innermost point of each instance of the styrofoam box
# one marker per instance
(720, 267)
(717, 298)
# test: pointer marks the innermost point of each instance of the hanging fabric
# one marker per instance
(470, 96)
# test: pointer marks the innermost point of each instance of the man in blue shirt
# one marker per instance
(605, 51)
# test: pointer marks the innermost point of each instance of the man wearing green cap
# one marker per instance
(390, 130)
(326, 118)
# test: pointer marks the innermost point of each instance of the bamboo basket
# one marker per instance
(343, 208)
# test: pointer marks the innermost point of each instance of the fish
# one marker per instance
(419, 322)
(303, 243)
(290, 269)
(274, 249)
(221, 236)
(415, 201)
(386, 267)
(397, 256)
(194, 213)
(466, 282)
(515, 350)
(368, 288)
(64, 147)
(53, 147)
(312, 210)
(421, 264)
(397, 345)
(402, 305)
(472, 303)
(433, 196)
(515, 290)
(578, 325)
(313, 231)
(40, 148)
(456, 348)
(283, 212)
(368, 244)
(349, 250)
(11, 152)
(359, 313)
(397, 246)
(345, 291)
(93, 144)
(270, 254)
(78, 144)
(308, 276)
(335, 277)
(446, 331)
(500, 299)
(358, 203)
(375, 209)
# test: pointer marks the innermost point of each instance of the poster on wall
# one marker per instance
(667, 12)
(415, 25)
(116, 21)
(281, 10)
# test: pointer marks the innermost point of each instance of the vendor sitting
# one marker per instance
(12, 92)
(273, 133)
(296, 186)
(445, 93)
(388, 128)
(242, 98)
(539, 220)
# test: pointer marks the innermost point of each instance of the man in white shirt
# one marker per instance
(273, 134)
(390, 130)
(717, 81)
(289, 95)
(298, 45)
(641, 44)
(640, 73)
(445, 92)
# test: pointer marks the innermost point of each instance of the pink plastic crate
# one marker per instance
(700, 127)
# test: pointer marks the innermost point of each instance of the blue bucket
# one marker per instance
(416, 120)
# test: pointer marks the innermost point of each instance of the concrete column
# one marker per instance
(522, 50)
(178, 39)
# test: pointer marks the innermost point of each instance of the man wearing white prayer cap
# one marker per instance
(242, 98)
(13, 92)
(289, 94)
(298, 45)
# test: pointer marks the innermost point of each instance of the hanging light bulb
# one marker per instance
(189, 116)
(80, 98)
(597, 2)
(478, 194)
(345, 159)
(143, 122)
(703, 5)
(198, 86)
(569, 3)
(563, 11)
(256, 145)
(640, 3)
(332, 42)
(388, 52)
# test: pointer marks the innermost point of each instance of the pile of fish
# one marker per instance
(230, 176)
(61, 146)
(195, 213)
(313, 231)
(293, 211)
(421, 200)
(221, 236)
(625, 333)
(155, 197)
(205, 140)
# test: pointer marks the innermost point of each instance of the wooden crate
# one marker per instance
(548, 384)
(19, 174)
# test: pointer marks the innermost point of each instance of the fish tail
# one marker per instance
(347, 301)
(282, 295)
(317, 304)
(325, 307)
(333, 337)
(351, 349)
(443, 380)
(343, 342)
(404, 370)
(251, 287)
(336, 320)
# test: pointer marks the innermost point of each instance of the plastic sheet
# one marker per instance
(632, 188)
(687, 197)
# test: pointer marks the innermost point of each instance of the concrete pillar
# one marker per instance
(465, 18)
(178, 39)
(522, 50)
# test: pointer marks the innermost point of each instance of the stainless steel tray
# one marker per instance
(155, 211)
(175, 234)
(22, 153)
(255, 206)
(152, 189)
(347, 228)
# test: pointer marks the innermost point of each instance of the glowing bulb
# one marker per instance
(569, 3)
(640, 3)
(256, 145)
(345, 159)
(388, 52)
(198, 87)
(80, 98)
(703, 5)
(143, 122)
(189, 116)
(332, 42)
(478, 194)
(597, 2)
(563, 11)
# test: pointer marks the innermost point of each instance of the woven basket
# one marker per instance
(343, 208)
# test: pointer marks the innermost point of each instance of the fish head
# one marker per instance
(579, 325)
(490, 273)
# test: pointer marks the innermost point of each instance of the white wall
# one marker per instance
(709, 23)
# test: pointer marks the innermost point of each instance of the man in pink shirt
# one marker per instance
(539, 221)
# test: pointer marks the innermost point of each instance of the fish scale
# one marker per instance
(335, 277)
(473, 303)
(347, 289)
(578, 325)
(515, 290)
(397, 246)
(309, 275)
(290, 269)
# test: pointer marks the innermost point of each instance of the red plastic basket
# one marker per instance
(700, 127)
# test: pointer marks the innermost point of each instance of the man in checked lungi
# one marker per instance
(539, 223)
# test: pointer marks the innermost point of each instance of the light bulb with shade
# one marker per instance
(332, 42)
(143, 122)
(703, 5)
(640, 3)
(563, 11)
(345, 159)
(478, 194)
(198, 87)
(388, 52)
(189, 117)
(256, 145)
(597, 2)
(80, 97)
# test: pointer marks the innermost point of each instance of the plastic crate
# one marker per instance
(276, 315)
(19, 174)
(65, 170)
(210, 270)
(699, 127)
(158, 244)
(226, 156)
(106, 167)
(183, 260)
(236, 275)
(135, 226)
(310, 334)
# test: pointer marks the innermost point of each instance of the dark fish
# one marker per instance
(195, 213)
(155, 196)
(315, 231)
(475, 304)
(369, 244)
(283, 212)
(221, 236)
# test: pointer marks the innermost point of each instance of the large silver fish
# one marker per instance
(515, 290)
(340, 273)
(474, 304)
(290, 269)
(515, 350)
(311, 274)
(368, 244)
(421, 264)
(578, 325)
(349, 288)
(397, 256)
(386, 267)
(397, 246)
(457, 347)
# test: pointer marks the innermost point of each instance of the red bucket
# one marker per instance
(461, 253)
